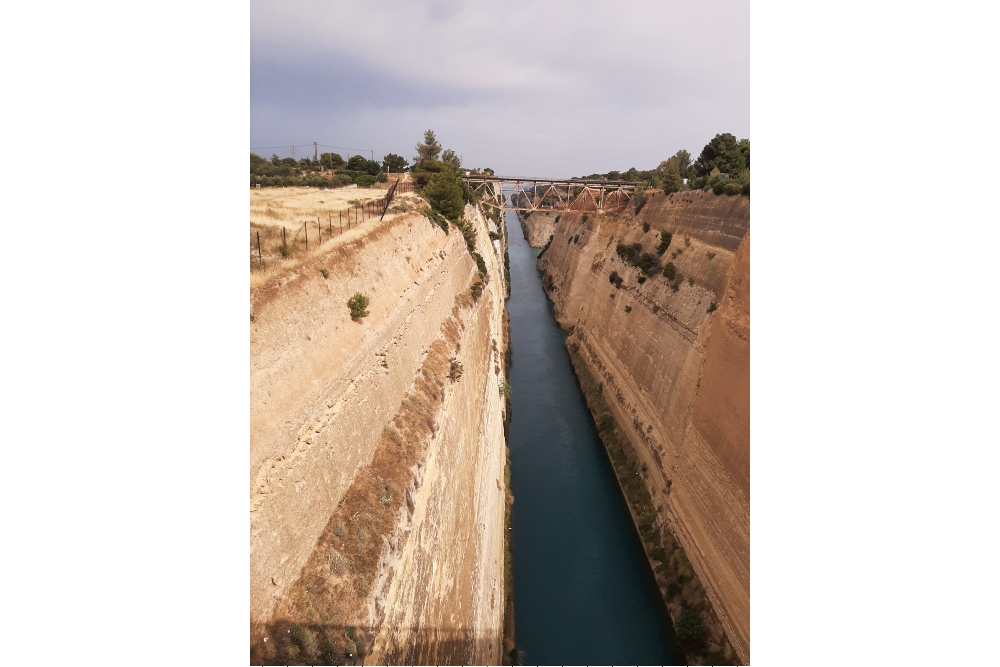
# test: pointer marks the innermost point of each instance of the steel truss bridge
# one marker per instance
(545, 194)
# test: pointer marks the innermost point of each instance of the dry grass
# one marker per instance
(296, 209)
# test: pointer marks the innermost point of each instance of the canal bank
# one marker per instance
(584, 590)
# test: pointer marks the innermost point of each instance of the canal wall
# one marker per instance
(665, 366)
(377, 456)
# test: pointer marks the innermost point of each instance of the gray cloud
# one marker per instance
(554, 88)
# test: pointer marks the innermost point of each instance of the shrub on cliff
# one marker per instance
(438, 218)
(615, 279)
(732, 188)
(468, 233)
(669, 271)
(665, 238)
(647, 263)
(358, 305)
(628, 252)
(690, 629)
(481, 265)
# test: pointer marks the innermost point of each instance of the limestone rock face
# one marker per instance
(676, 375)
(377, 494)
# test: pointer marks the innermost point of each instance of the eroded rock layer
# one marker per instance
(377, 453)
(668, 357)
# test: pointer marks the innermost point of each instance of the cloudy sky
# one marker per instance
(528, 88)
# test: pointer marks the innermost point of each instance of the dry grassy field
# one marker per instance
(309, 216)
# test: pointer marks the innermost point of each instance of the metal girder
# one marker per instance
(604, 195)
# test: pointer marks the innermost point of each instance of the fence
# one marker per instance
(346, 219)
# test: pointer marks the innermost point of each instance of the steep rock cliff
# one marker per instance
(675, 377)
(377, 501)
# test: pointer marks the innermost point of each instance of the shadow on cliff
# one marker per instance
(290, 643)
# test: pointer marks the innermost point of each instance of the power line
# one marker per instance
(260, 148)
(339, 148)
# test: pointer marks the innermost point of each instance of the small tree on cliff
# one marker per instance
(427, 162)
(445, 193)
(670, 175)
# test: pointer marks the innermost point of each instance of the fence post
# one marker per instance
(319, 230)
(340, 217)
(305, 225)
(258, 247)
(283, 241)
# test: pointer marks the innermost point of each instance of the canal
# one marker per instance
(583, 590)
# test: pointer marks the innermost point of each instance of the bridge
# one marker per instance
(546, 194)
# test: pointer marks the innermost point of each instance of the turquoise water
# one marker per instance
(583, 590)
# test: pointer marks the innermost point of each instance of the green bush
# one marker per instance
(712, 307)
(732, 188)
(476, 290)
(468, 233)
(628, 252)
(665, 238)
(690, 629)
(669, 271)
(647, 263)
(628, 309)
(445, 193)
(615, 279)
(438, 218)
(645, 226)
(325, 272)
(365, 180)
(481, 264)
(358, 305)
(745, 190)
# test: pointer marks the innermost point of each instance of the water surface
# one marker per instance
(583, 590)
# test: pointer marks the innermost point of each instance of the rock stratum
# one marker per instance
(378, 492)
(669, 385)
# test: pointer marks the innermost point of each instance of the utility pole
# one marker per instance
(293, 152)
(315, 152)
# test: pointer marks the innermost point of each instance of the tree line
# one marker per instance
(331, 170)
(722, 167)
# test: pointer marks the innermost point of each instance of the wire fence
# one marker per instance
(345, 220)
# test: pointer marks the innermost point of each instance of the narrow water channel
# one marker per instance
(583, 590)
